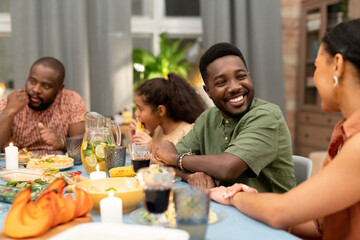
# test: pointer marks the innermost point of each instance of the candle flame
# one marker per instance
(2, 89)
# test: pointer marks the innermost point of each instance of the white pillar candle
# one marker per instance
(12, 157)
(111, 209)
(97, 174)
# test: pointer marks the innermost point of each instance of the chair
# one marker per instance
(302, 166)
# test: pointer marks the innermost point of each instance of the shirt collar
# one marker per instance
(351, 125)
(234, 121)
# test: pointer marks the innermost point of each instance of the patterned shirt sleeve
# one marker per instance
(75, 106)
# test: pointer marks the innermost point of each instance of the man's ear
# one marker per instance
(206, 89)
(161, 109)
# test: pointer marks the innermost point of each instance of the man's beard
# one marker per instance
(42, 105)
(235, 116)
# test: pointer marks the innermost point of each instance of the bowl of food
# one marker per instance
(128, 189)
(13, 181)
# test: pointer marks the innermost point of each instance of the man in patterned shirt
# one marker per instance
(42, 115)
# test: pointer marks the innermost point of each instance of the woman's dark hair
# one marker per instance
(216, 51)
(345, 39)
(180, 99)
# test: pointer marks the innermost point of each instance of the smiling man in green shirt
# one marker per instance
(241, 140)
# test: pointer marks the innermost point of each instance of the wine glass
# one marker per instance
(157, 183)
(140, 154)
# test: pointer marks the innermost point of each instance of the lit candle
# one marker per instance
(12, 157)
(97, 174)
(111, 209)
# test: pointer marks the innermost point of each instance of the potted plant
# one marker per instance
(170, 59)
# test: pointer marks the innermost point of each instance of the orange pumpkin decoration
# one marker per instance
(29, 219)
(83, 203)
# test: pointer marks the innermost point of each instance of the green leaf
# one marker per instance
(12, 183)
(171, 58)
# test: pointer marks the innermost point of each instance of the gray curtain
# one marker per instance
(92, 38)
(254, 26)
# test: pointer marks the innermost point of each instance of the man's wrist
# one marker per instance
(9, 112)
(179, 161)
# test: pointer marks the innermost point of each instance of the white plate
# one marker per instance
(113, 231)
(62, 168)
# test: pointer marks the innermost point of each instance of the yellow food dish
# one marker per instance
(50, 161)
(126, 171)
(128, 189)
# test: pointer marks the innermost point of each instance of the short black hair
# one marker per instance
(54, 64)
(216, 51)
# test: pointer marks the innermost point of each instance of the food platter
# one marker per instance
(216, 215)
(61, 162)
(15, 180)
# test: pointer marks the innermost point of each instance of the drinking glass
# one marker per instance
(73, 145)
(157, 183)
(192, 210)
(140, 154)
(115, 156)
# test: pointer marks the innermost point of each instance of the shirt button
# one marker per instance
(226, 138)
(226, 121)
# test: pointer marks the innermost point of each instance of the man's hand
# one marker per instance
(17, 100)
(201, 179)
(50, 137)
(167, 153)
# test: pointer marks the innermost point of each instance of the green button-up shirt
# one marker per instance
(260, 138)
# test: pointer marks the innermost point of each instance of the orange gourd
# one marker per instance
(30, 219)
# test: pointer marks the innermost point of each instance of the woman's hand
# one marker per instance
(238, 187)
(132, 129)
(217, 194)
(142, 137)
(223, 194)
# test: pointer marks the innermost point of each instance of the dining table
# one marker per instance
(232, 223)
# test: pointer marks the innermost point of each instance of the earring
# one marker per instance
(336, 80)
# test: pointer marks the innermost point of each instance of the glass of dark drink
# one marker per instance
(157, 183)
(140, 154)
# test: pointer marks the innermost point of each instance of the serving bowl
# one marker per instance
(128, 189)
(13, 181)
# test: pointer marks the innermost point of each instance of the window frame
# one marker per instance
(176, 27)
